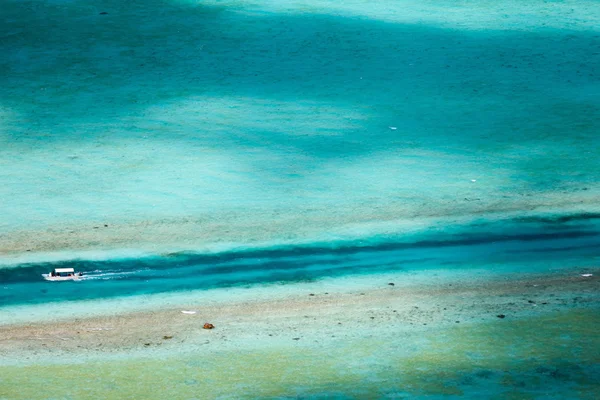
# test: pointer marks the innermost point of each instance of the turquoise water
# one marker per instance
(241, 116)
(505, 247)
(301, 141)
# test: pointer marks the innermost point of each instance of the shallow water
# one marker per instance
(309, 115)
(301, 141)
(514, 246)
(554, 356)
(532, 354)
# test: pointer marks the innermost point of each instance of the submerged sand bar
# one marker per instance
(307, 319)
(411, 339)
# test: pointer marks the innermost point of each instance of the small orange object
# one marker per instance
(208, 326)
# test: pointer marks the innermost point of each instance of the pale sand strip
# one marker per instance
(312, 319)
(243, 229)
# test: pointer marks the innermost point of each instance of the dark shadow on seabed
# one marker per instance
(469, 91)
(546, 356)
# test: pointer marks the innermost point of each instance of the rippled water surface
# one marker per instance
(301, 141)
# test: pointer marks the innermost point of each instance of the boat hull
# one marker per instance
(48, 277)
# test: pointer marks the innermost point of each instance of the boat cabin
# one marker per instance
(63, 272)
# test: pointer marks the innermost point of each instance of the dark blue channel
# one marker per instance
(522, 247)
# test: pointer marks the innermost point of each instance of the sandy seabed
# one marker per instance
(318, 342)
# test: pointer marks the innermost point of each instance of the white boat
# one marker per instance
(63, 274)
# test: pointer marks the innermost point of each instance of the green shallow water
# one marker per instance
(553, 356)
